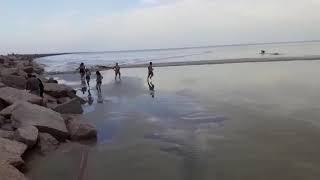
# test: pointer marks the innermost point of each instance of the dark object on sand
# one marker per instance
(262, 52)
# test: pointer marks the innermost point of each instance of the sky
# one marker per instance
(47, 26)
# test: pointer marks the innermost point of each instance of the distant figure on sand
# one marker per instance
(88, 76)
(117, 71)
(82, 70)
(262, 52)
(32, 85)
(150, 71)
(99, 81)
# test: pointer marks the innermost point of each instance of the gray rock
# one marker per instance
(82, 101)
(11, 152)
(14, 81)
(6, 134)
(63, 100)
(51, 80)
(8, 172)
(8, 110)
(3, 105)
(58, 90)
(79, 129)
(12, 95)
(47, 143)
(2, 85)
(71, 107)
(46, 120)
(7, 127)
(2, 120)
(27, 135)
(28, 69)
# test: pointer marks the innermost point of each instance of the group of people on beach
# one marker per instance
(86, 73)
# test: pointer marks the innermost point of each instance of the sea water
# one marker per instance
(70, 62)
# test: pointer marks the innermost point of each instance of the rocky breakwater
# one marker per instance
(29, 122)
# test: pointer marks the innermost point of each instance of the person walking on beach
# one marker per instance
(150, 71)
(99, 81)
(82, 69)
(88, 76)
(117, 71)
(32, 85)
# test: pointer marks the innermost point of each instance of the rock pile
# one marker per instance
(31, 122)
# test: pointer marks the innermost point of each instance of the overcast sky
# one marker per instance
(40, 26)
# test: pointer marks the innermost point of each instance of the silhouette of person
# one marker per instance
(99, 81)
(88, 76)
(82, 69)
(117, 71)
(150, 71)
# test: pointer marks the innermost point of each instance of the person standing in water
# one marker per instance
(117, 71)
(88, 76)
(99, 81)
(150, 71)
(82, 70)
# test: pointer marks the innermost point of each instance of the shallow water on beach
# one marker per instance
(237, 121)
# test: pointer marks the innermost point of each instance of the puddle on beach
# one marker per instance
(239, 121)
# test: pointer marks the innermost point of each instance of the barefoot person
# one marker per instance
(88, 76)
(99, 81)
(117, 71)
(150, 71)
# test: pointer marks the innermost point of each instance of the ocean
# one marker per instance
(70, 62)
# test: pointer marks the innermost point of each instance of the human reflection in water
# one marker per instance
(90, 98)
(151, 88)
(100, 98)
(83, 85)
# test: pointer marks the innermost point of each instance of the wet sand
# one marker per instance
(231, 121)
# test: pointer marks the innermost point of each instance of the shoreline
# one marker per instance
(202, 62)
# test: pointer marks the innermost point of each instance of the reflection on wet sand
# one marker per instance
(225, 122)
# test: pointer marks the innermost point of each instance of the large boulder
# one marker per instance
(11, 152)
(79, 129)
(47, 143)
(46, 120)
(8, 172)
(14, 81)
(27, 135)
(71, 107)
(12, 95)
(58, 90)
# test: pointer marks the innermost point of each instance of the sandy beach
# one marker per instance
(228, 121)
